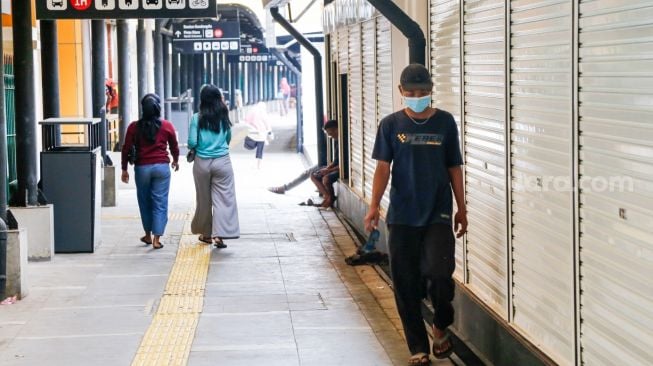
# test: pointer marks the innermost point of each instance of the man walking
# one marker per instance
(422, 145)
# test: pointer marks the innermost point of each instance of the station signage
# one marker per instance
(245, 58)
(258, 57)
(124, 9)
(206, 36)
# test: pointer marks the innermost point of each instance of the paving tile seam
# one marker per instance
(170, 335)
(336, 225)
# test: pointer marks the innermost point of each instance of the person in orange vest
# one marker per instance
(112, 96)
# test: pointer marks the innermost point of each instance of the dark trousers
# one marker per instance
(260, 145)
(422, 263)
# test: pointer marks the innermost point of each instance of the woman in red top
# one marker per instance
(152, 136)
(285, 89)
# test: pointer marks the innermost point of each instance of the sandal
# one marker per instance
(145, 241)
(438, 343)
(159, 247)
(10, 300)
(204, 239)
(309, 202)
(218, 243)
(419, 359)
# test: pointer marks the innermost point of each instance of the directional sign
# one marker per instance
(124, 9)
(258, 57)
(206, 36)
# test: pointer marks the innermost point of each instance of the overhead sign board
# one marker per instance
(125, 9)
(256, 57)
(206, 36)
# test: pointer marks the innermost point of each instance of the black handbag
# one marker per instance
(133, 151)
(190, 155)
(249, 143)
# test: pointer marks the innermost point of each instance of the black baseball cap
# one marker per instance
(416, 77)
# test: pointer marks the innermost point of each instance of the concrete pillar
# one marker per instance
(167, 75)
(157, 39)
(99, 32)
(124, 78)
(26, 148)
(141, 56)
(198, 61)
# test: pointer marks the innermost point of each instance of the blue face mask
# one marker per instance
(417, 105)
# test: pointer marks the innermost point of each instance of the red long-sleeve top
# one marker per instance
(151, 153)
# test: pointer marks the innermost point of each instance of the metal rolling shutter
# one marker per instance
(445, 68)
(355, 109)
(343, 51)
(369, 103)
(334, 46)
(541, 95)
(485, 147)
(384, 85)
(616, 140)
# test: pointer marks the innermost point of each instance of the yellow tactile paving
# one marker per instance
(174, 216)
(170, 336)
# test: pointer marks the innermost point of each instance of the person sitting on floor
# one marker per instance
(323, 177)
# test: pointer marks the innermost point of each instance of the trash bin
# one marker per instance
(180, 115)
(71, 176)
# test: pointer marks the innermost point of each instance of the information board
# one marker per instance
(206, 36)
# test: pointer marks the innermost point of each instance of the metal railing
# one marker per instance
(10, 111)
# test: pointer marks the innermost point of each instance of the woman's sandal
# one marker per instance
(204, 239)
(218, 243)
(10, 300)
(145, 241)
(159, 247)
(438, 343)
(419, 359)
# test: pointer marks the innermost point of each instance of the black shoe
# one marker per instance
(219, 244)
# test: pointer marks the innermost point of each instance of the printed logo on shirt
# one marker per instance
(420, 138)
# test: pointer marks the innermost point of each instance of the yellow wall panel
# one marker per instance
(70, 68)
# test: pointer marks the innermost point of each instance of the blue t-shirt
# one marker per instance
(421, 152)
(211, 145)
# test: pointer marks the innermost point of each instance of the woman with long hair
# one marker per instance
(151, 136)
(216, 213)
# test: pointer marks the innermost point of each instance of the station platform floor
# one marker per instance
(280, 295)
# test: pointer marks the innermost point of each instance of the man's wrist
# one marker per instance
(462, 209)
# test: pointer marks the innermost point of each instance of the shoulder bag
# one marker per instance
(133, 151)
(190, 155)
(249, 143)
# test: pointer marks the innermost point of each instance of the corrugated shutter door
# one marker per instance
(484, 33)
(369, 103)
(445, 67)
(541, 95)
(334, 46)
(616, 142)
(384, 85)
(343, 51)
(355, 109)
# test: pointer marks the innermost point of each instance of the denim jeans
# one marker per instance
(152, 186)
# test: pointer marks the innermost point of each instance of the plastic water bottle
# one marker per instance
(370, 245)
